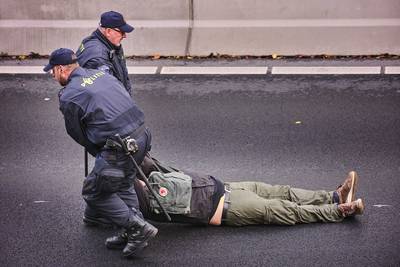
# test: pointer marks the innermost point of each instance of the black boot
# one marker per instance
(117, 242)
(139, 232)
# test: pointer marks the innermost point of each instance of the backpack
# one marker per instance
(174, 191)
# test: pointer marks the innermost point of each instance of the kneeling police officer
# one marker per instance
(96, 108)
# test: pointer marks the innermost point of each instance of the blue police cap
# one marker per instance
(60, 56)
(113, 19)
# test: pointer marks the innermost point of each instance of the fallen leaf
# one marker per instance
(34, 55)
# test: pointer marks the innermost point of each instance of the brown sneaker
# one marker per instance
(352, 208)
(347, 190)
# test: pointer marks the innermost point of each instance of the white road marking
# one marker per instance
(392, 70)
(142, 70)
(294, 70)
(39, 70)
(381, 205)
(327, 70)
(214, 70)
(22, 70)
(40, 201)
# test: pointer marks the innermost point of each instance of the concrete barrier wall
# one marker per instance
(201, 27)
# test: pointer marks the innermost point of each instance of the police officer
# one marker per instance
(103, 50)
(96, 107)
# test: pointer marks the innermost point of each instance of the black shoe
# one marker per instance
(97, 222)
(138, 236)
(117, 242)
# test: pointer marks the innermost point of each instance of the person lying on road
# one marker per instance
(195, 198)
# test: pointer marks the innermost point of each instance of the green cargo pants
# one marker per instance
(260, 203)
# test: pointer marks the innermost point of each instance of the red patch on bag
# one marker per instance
(163, 191)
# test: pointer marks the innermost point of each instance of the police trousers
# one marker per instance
(108, 190)
(260, 203)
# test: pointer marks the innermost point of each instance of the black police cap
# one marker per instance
(60, 56)
(113, 19)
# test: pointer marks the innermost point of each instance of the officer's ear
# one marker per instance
(61, 68)
(55, 69)
(107, 31)
(64, 69)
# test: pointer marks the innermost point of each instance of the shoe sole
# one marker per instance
(122, 246)
(116, 247)
(352, 193)
(360, 206)
(149, 236)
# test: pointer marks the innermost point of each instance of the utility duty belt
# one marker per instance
(129, 140)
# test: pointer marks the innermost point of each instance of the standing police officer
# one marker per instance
(96, 107)
(103, 50)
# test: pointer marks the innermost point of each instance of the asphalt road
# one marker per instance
(306, 131)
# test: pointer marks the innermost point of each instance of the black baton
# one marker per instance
(129, 153)
(86, 162)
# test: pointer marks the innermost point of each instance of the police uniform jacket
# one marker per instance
(96, 52)
(96, 106)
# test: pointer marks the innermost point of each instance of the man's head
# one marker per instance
(61, 63)
(114, 27)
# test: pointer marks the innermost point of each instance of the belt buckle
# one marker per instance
(225, 209)
(226, 203)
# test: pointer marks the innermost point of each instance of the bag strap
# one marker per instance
(163, 168)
